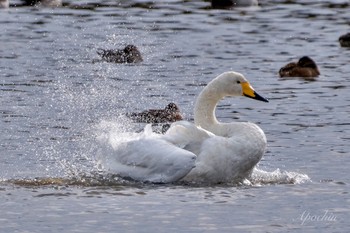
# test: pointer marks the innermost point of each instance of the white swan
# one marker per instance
(207, 151)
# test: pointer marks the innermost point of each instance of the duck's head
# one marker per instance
(130, 48)
(307, 62)
(234, 84)
(172, 107)
(132, 54)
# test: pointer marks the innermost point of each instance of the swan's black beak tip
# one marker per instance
(258, 97)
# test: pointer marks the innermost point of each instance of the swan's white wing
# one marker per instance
(187, 136)
(224, 159)
(148, 159)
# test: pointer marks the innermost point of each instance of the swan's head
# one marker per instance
(235, 84)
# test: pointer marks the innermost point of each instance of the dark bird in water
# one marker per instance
(130, 54)
(344, 40)
(44, 3)
(227, 4)
(305, 68)
(170, 113)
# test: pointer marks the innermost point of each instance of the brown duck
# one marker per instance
(130, 54)
(344, 40)
(305, 68)
(170, 113)
(227, 4)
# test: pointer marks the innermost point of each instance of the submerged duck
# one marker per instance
(226, 4)
(305, 67)
(4, 4)
(130, 54)
(44, 3)
(204, 152)
(170, 113)
(344, 40)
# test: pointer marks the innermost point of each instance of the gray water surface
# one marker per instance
(54, 98)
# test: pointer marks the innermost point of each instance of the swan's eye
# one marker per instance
(238, 82)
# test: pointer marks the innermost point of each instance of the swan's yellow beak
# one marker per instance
(248, 91)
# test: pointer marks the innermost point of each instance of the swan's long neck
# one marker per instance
(204, 110)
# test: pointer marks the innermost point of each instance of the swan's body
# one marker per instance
(223, 152)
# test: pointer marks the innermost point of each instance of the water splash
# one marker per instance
(82, 180)
(261, 177)
(97, 179)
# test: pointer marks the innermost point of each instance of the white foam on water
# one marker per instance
(261, 177)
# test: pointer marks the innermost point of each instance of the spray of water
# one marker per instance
(88, 101)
